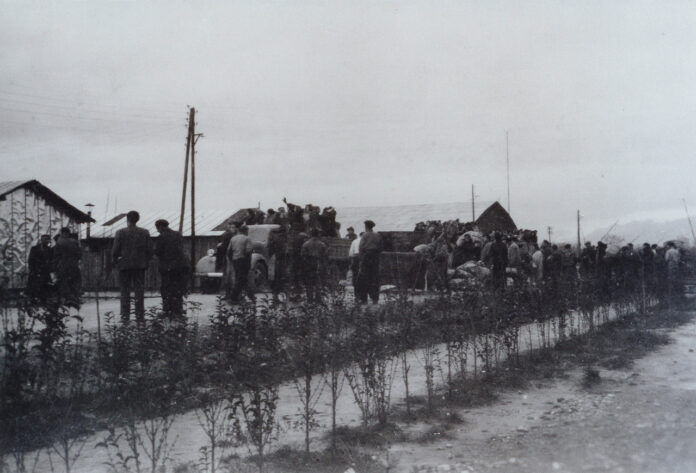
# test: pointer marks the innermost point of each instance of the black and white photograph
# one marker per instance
(349, 236)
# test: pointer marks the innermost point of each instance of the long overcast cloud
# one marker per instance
(352, 103)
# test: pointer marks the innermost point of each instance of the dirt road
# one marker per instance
(640, 419)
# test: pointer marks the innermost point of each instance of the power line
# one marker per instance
(69, 117)
(125, 130)
(65, 97)
(80, 108)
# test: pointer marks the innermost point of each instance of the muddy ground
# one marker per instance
(602, 413)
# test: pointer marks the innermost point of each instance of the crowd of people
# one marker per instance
(298, 218)
(299, 257)
(514, 258)
(300, 262)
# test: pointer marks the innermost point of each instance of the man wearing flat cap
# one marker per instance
(174, 269)
(368, 275)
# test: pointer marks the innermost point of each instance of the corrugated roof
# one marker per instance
(206, 220)
(403, 217)
(388, 218)
(51, 197)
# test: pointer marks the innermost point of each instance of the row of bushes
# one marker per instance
(57, 386)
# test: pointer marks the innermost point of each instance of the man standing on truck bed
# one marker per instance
(239, 254)
(368, 277)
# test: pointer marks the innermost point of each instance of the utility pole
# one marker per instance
(693, 235)
(192, 127)
(548, 229)
(191, 120)
(507, 157)
(578, 233)
(191, 140)
(194, 140)
(473, 205)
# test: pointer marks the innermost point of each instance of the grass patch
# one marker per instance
(590, 377)
(617, 344)
(437, 432)
(289, 460)
(370, 436)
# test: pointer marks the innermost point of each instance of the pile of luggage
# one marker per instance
(471, 273)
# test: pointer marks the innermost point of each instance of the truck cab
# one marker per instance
(262, 264)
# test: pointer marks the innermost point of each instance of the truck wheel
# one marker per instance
(258, 276)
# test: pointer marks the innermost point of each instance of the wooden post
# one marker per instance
(693, 235)
(507, 160)
(192, 128)
(579, 234)
(186, 166)
(473, 208)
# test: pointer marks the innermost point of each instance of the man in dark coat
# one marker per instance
(39, 283)
(368, 277)
(295, 241)
(66, 261)
(498, 256)
(132, 252)
(647, 256)
(588, 257)
(173, 268)
(221, 249)
(277, 248)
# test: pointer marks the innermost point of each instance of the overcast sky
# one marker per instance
(356, 104)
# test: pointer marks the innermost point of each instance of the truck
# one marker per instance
(263, 269)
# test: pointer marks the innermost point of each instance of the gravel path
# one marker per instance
(636, 420)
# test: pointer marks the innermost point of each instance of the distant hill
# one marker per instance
(647, 231)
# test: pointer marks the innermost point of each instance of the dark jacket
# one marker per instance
(132, 248)
(66, 255)
(498, 256)
(40, 265)
(169, 249)
(314, 255)
(314, 248)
